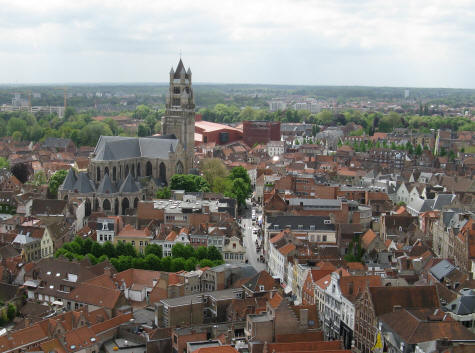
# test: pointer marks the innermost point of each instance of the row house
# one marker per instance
(180, 237)
(280, 247)
(107, 228)
(377, 301)
(328, 300)
(52, 279)
(138, 238)
(464, 247)
(407, 330)
(445, 230)
(233, 250)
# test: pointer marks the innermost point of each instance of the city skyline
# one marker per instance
(363, 43)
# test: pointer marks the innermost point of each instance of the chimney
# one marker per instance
(107, 271)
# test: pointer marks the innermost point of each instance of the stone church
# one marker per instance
(124, 170)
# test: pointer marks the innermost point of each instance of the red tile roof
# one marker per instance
(276, 300)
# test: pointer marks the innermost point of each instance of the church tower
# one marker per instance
(179, 118)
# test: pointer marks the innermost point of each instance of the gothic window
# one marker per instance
(125, 205)
(138, 170)
(176, 90)
(126, 171)
(106, 205)
(136, 202)
(148, 169)
(98, 174)
(176, 101)
(162, 175)
(106, 171)
(179, 168)
(114, 173)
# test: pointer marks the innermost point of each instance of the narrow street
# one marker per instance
(249, 240)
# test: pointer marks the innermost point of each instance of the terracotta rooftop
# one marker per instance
(368, 238)
(218, 349)
(276, 300)
(287, 249)
(411, 297)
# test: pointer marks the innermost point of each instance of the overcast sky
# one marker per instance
(423, 43)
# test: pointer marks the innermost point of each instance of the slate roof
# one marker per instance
(129, 185)
(463, 305)
(442, 200)
(180, 67)
(106, 186)
(305, 221)
(112, 148)
(83, 184)
(442, 269)
(69, 181)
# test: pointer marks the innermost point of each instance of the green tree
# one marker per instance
(39, 178)
(206, 263)
(152, 261)
(178, 250)
(4, 163)
(96, 249)
(17, 136)
(154, 249)
(213, 168)
(164, 193)
(143, 130)
(214, 254)
(189, 183)
(201, 252)
(108, 249)
(418, 150)
(11, 311)
(55, 181)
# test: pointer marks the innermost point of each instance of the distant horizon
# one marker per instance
(149, 83)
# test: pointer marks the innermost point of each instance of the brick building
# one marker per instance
(261, 132)
(376, 301)
(220, 134)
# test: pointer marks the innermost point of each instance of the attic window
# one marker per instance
(300, 226)
(326, 221)
(312, 227)
(261, 288)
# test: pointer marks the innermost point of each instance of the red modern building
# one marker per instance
(261, 132)
(207, 131)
